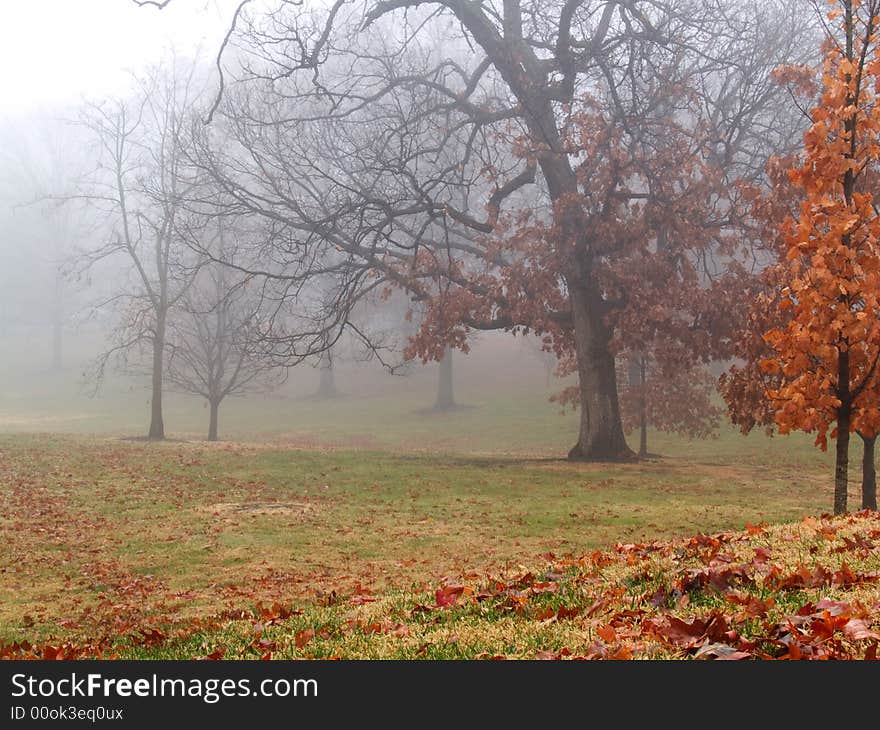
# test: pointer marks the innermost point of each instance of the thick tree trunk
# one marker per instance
(445, 392)
(601, 432)
(327, 383)
(157, 425)
(212, 424)
(869, 474)
(57, 321)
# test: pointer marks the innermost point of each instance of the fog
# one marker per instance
(57, 318)
(57, 315)
(198, 203)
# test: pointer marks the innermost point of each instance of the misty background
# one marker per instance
(66, 54)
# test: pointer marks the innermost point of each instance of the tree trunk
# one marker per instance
(601, 432)
(869, 474)
(643, 409)
(844, 411)
(157, 425)
(445, 393)
(56, 346)
(841, 464)
(57, 321)
(327, 384)
(212, 424)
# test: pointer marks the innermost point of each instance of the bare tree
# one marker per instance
(42, 161)
(139, 184)
(327, 376)
(210, 341)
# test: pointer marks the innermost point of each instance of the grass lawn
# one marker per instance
(315, 504)
(186, 549)
(99, 529)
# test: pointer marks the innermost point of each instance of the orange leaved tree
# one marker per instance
(826, 352)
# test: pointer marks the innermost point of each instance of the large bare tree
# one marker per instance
(365, 133)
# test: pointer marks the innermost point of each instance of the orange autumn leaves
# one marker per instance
(826, 350)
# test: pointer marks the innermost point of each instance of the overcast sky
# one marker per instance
(53, 51)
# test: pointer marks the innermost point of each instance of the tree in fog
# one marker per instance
(212, 336)
(138, 186)
(677, 400)
(326, 376)
(42, 161)
(601, 142)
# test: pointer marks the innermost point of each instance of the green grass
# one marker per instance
(602, 605)
(83, 517)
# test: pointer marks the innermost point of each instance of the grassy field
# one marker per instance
(103, 534)
(186, 549)
(313, 514)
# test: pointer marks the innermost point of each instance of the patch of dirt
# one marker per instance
(223, 509)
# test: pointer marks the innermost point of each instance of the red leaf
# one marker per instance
(448, 595)
(564, 612)
(762, 555)
(53, 653)
(544, 654)
(547, 614)
(303, 637)
(721, 652)
(857, 629)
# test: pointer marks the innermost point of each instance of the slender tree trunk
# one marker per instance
(445, 392)
(601, 432)
(157, 425)
(643, 409)
(327, 383)
(212, 424)
(57, 361)
(841, 464)
(869, 474)
(57, 321)
(844, 412)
